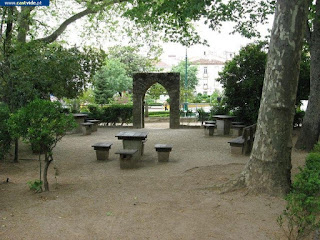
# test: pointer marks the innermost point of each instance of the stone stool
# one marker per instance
(86, 128)
(128, 158)
(95, 124)
(209, 129)
(102, 150)
(163, 152)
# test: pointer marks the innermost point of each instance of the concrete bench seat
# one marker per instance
(128, 158)
(163, 151)
(209, 129)
(102, 150)
(210, 122)
(86, 128)
(95, 124)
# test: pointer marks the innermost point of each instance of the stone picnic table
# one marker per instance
(79, 118)
(223, 123)
(132, 139)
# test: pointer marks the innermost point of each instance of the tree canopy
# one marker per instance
(112, 78)
(242, 79)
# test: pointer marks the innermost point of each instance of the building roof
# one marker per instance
(162, 65)
(203, 61)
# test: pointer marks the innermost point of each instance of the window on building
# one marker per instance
(205, 70)
(205, 86)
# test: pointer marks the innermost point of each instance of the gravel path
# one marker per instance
(91, 199)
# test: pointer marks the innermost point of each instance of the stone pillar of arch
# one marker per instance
(142, 82)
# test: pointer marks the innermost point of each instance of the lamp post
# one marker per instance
(186, 85)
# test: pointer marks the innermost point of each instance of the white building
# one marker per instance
(209, 65)
(207, 74)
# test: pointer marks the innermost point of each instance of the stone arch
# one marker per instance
(142, 82)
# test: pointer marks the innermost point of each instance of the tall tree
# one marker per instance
(310, 131)
(112, 78)
(192, 79)
(269, 168)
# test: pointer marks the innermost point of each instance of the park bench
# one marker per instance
(243, 144)
(209, 129)
(128, 158)
(102, 150)
(86, 128)
(163, 151)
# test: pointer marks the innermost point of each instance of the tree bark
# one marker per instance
(269, 168)
(309, 134)
(48, 160)
(23, 23)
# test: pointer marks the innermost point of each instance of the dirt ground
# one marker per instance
(93, 199)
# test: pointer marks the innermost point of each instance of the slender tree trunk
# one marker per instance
(269, 168)
(310, 130)
(48, 160)
(16, 150)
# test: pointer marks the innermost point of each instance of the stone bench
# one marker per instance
(243, 144)
(209, 129)
(163, 151)
(210, 122)
(86, 128)
(95, 124)
(128, 158)
(102, 150)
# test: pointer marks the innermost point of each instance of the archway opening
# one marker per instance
(142, 82)
(156, 107)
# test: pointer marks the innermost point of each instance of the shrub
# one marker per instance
(41, 123)
(202, 115)
(298, 118)
(303, 202)
(159, 114)
(5, 138)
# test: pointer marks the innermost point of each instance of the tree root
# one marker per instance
(229, 186)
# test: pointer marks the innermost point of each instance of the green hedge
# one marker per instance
(159, 114)
(111, 114)
(303, 202)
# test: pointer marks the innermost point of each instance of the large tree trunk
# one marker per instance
(310, 131)
(269, 168)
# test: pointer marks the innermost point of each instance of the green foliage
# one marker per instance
(35, 185)
(155, 91)
(132, 60)
(219, 108)
(301, 216)
(242, 80)
(192, 75)
(41, 123)
(316, 148)
(38, 70)
(5, 138)
(202, 115)
(159, 114)
(112, 114)
(298, 117)
(201, 98)
(112, 78)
